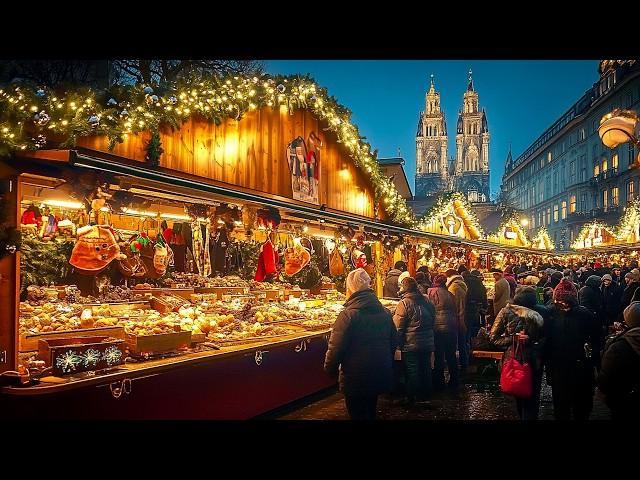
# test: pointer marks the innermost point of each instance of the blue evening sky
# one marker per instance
(521, 98)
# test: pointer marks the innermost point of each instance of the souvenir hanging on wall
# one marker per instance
(95, 249)
(267, 261)
(269, 218)
(296, 258)
(336, 265)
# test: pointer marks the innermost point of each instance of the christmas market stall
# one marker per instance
(182, 253)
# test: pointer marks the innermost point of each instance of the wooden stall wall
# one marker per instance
(251, 153)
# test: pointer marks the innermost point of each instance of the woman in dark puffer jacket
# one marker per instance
(414, 318)
(445, 332)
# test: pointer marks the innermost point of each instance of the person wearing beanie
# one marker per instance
(391, 282)
(414, 318)
(361, 348)
(423, 282)
(501, 291)
(590, 296)
(519, 317)
(457, 287)
(572, 343)
(611, 296)
(402, 276)
(445, 332)
(619, 377)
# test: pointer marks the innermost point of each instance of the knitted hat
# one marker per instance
(408, 284)
(606, 276)
(632, 276)
(402, 276)
(358, 280)
(565, 292)
(566, 272)
(632, 315)
(440, 280)
(525, 296)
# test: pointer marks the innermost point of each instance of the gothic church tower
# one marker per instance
(432, 166)
(471, 166)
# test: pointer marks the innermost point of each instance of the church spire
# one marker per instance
(432, 88)
(470, 84)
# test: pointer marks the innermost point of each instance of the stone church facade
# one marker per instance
(468, 171)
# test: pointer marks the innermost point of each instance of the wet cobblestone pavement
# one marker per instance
(479, 398)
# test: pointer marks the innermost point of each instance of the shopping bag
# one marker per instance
(516, 378)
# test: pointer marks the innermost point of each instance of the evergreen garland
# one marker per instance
(154, 149)
(28, 116)
(250, 251)
(43, 263)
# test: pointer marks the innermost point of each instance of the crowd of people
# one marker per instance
(578, 327)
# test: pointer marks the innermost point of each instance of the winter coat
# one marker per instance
(566, 335)
(458, 289)
(501, 295)
(512, 284)
(445, 305)
(619, 378)
(611, 296)
(361, 347)
(627, 295)
(391, 287)
(414, 318)
(514, 319)
(476, 301)
(590, 298)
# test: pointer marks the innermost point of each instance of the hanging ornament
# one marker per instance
(41, 118)
(112, 101)
(94, 121)
(281, 88)
(40, 141)
(149, 100)
(40, 92)
(313, 97)
(124, 113)
(173, 100)
(154, 98)
(11, 248)
(148, 90)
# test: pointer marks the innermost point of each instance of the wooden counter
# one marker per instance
(235, 382)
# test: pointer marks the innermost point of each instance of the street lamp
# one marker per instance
(618, 127)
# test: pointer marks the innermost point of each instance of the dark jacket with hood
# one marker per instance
(590, 296)
(476, 300)
(361, 346)
(391, 286)
(554, 280)
(445, 305)
(619, 378)
(610, 303)
(566, 334)
(415, 318)
(627, 296)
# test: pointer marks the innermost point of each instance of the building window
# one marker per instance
(593, 152)
(596, 170)
(564, 210)
(630, 190)
(583, 202)
(572, 203)
(632, 154)
(572, 171)
(605, 164)
(555, 182)
(614, 161)
(605, 199)
(533, 221)
(614, 196)
(555, 213)
(541, 219)
(581, 134)
(549, 156)
(548, 215)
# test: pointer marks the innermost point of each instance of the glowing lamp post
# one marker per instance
(618, 127)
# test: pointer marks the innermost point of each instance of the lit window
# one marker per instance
(548, 215)
(564, 209)
(605, 164)
(614, 196)
(605, 199)
(549, 157)
(596, 170)
(630, 190)
(555, 212)
(614, 161)
(582, 134)
(572, 203)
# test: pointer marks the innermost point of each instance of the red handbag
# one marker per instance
(516, 378)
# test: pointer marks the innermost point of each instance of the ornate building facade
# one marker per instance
(468, 171)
